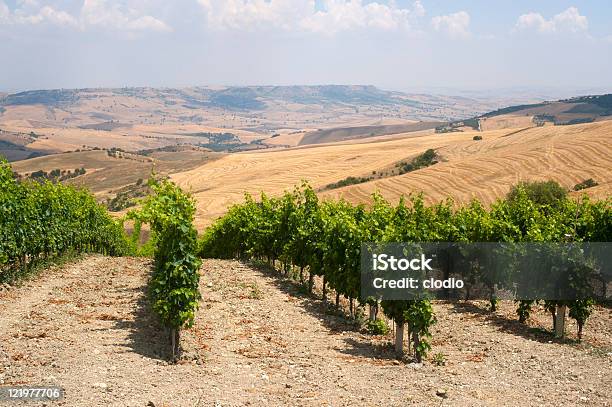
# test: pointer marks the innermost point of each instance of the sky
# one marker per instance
(426, 45)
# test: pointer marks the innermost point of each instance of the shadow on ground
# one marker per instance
(334, 319)
(511, 326)
(146, 335)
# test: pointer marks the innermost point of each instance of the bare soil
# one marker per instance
(258, 340)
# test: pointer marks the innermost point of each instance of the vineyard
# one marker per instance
(263, 311)
(173, 287)
(317, 239)
(324, 240)
(43, 221)
(46, 220)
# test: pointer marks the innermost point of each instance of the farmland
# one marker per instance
(482, 169)
(106, 173)
(52, 121)
(222, 157)
(250, 332)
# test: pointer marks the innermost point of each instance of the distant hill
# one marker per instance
(581, 109)
(55, 97)
(135, 119)
(258, 98)
(357, 132)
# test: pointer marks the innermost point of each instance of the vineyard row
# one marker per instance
(324, 239)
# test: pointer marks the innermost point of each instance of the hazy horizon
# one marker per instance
(518, 93)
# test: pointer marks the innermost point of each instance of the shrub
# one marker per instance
(347, 181)
(477, 138)
(377, 327)
(439, 359)
(587, 183)
(540, 192)
(421, 161)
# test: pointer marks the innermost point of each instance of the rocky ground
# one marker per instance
(258, 340)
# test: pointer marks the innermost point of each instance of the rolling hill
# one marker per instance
(514, 147)
(484, 169)
(134, 119)
(581, 109)
(108, 172)
(358, 132)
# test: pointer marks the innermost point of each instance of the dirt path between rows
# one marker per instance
(258, 341)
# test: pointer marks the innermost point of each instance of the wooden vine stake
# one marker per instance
(560, 321)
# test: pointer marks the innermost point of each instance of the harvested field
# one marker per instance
(469, 169)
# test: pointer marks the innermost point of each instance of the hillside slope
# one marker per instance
(107, 172)
(358, 132)
(223, 182)
(483, 169)
(581, 109)
(486, 170)
(142, 118)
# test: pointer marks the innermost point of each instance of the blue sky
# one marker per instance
(404, 44)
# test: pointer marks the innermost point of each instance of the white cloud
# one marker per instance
(236, 14)
(94, 13)
(569, 20)
(99, 13)
(46, 14)
(333, 15)
(147, 23)
(5, 13)
(456, 25)
(339, 15)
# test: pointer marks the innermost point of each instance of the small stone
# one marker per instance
(441, 393)
(415, 365)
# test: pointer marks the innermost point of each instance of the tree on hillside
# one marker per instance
(540, 192)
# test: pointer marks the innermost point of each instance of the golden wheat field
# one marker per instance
(487, 169)
(483, 169)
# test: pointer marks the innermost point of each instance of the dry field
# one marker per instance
(223, 182)
(482, 169)
(143, 118)
(561, 112)
(359, 132)
(125, 136)
(487, 169)
(106, 174)
(506, 122)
